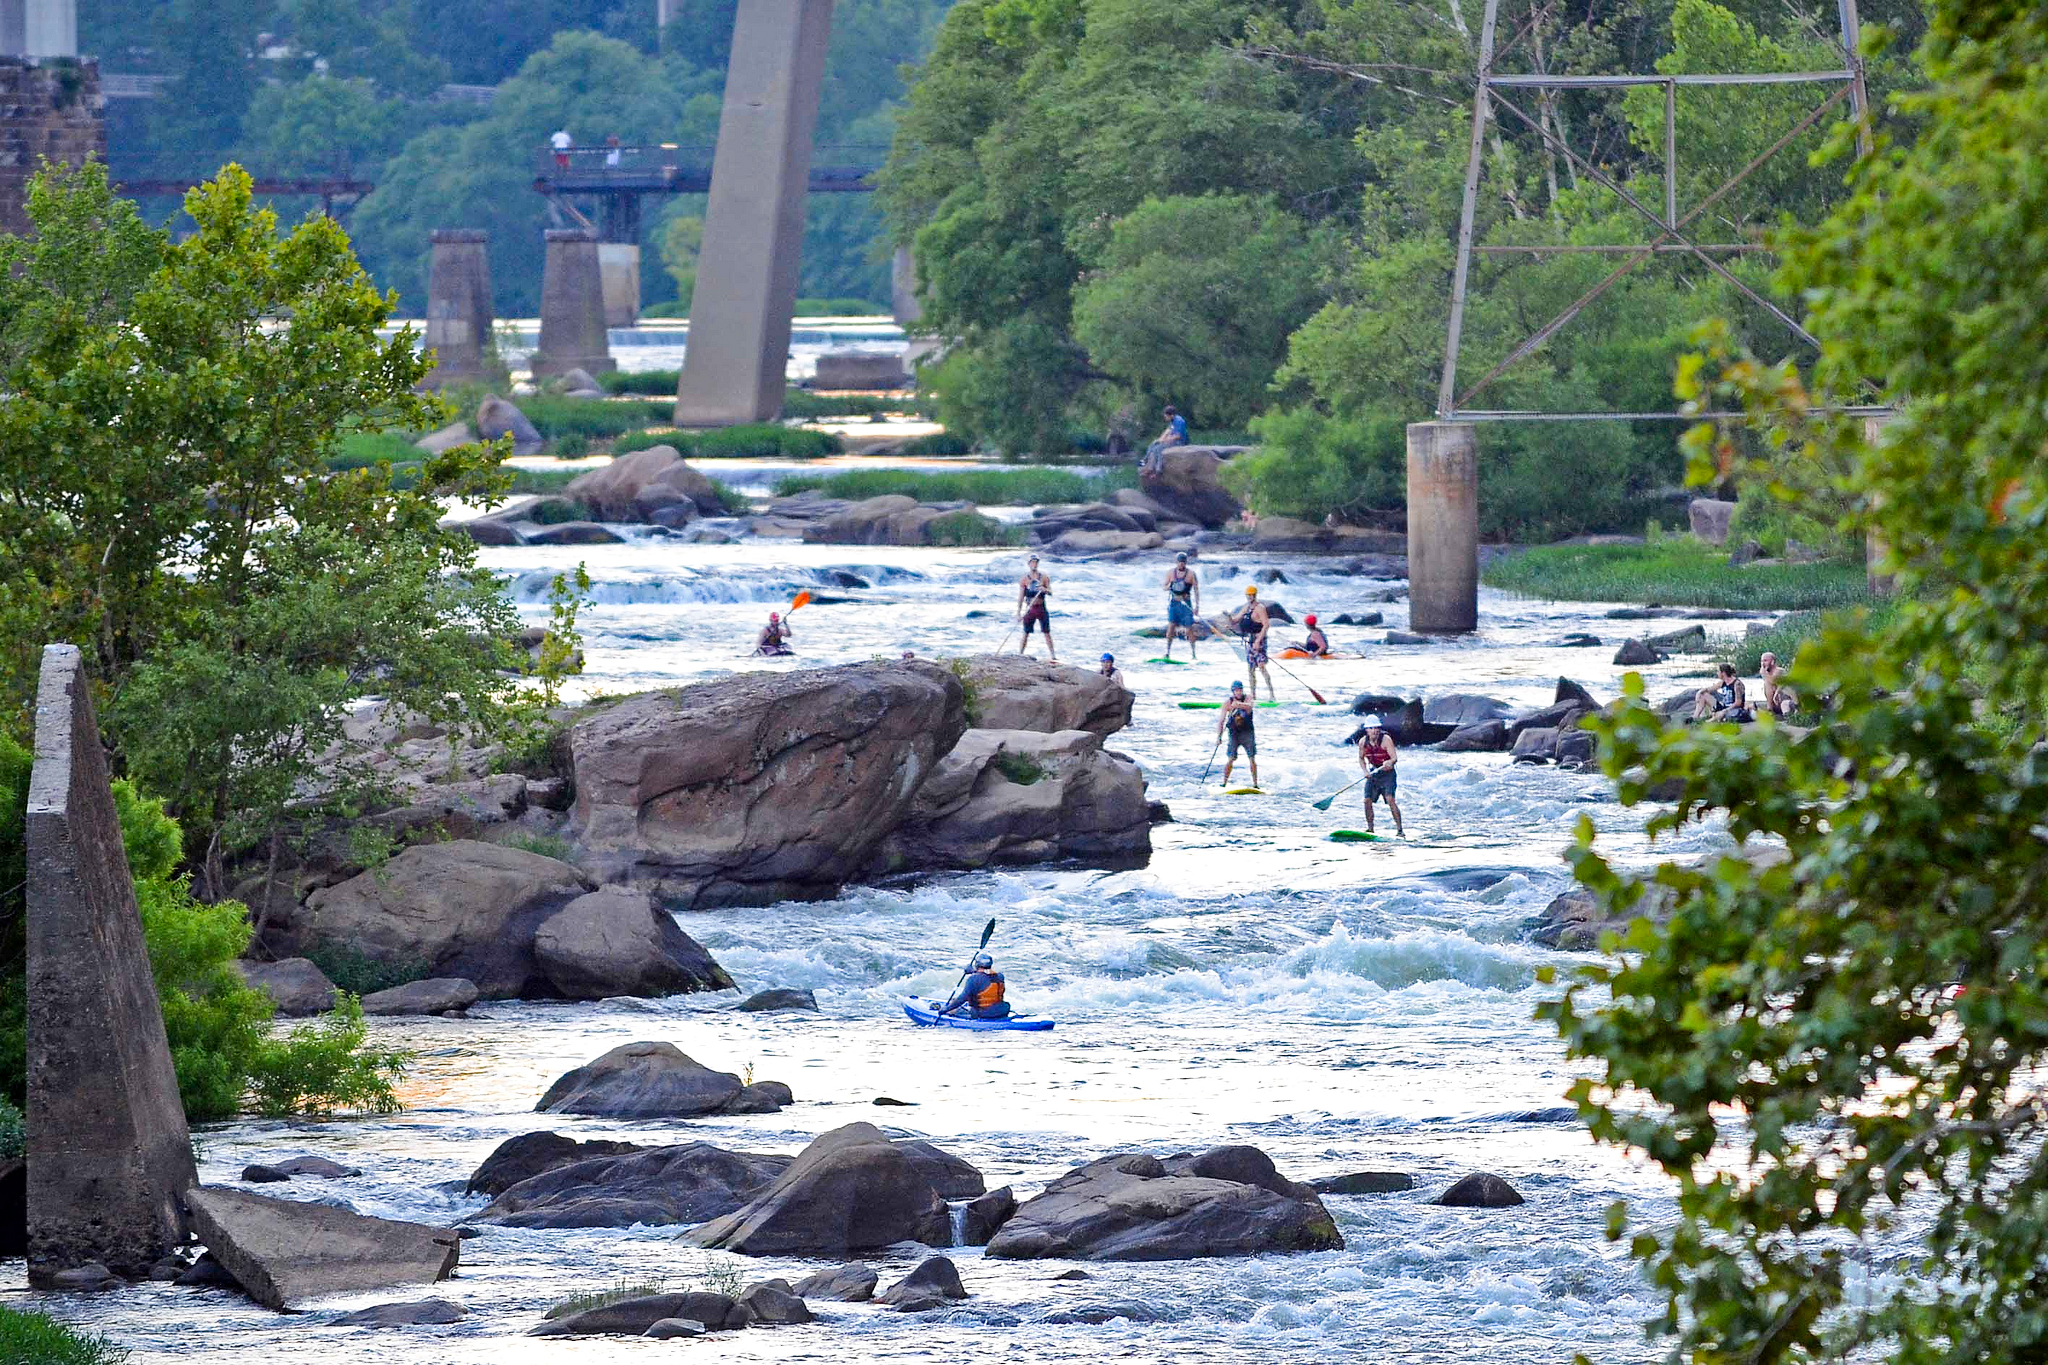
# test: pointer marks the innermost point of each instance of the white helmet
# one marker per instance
(1373, 723)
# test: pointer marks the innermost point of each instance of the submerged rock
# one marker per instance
(435, 995)
(779, 998)
(1636, 654)
(420, 1313)
(633, 1317)
(1364, 1182)
(852, 1189)
(1229, 1201)
(689, 1183)
(1481, 1191)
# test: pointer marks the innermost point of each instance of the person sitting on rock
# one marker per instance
(1175, 434)
(1779, 700)
(1317, 644)
(1111, 671)
(981, 995)
(1726, 700)
(775, 636)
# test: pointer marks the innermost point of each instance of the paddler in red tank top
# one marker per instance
(1377, 755)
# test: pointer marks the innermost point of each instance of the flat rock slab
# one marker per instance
(284, 1252)
(664, 1185)
(633, 1317)
(423, 1313)
(1364, 1182)
(435, 995)
(849, 1283)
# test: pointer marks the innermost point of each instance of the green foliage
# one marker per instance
(603, 1298)
(561, 649)
(354, 971)
(326, 1067)
(970, 687)
(749, 441)
(939, 444)
(546, 845)
(1311, 466)
(1021, 769)
(806, 406)
(682, 237)
(967, 527)
(369, 449)
(842, 307)
(1792, 1046)
(556, 416)
(653, 383)
(37, 1338)
(13, 1132)
(1675, 572)
(542, 481)
(989, 487)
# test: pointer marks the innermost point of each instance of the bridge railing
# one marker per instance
(668, 160)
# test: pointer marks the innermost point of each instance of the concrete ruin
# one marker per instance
(572, 330)
(459, 314)
(618, 265)
(735, 369)
(108, 1149)
(1443, 528)
(283, 1252)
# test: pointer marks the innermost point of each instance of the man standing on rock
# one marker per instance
(1183, 601)
(1032, 590)
(1377, 755)
(1253, 623)
(1236, 717)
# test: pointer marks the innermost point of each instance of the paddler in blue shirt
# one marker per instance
(981, 995)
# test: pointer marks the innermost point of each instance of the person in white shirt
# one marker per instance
(561, 142)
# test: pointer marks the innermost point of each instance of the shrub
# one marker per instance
(970, 688)
(326, 1066)
(1312, 466)
(990, 487)
(805, 405)
(648, 440)
(543, 480)
(556, 511)
(573, 446)
(967, 527)
(764, 439)
(600, 1298)
(1675, 572)
(653, 383)
(354, 971)
(938, 444)
(364, 449)
(1021, 769)
(41, 1340)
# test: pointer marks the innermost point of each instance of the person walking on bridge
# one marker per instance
(561, 142)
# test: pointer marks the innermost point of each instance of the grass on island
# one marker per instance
(970, 528)
(619, 1292)
(1679, 572)
(798, 403)
(753, 441)
(1027, 486)
(45, 1341)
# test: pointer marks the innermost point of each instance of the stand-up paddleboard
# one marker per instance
(928, 1016)
(1178, 663)
(1359, 836)
(1218, 706)
(1244, 791)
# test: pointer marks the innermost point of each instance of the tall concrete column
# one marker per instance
(903, 288)
(618, 264)
(572, 331)
(459, 316)
(736, 365)
(1443, 527)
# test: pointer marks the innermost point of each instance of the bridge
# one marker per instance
(619, 177)
(337, 194)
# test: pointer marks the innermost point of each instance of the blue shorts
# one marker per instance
(1179, 613)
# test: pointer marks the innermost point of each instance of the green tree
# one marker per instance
(682, 237)
(1835, 1057)
(322, 125)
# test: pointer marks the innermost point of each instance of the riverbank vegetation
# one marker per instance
(1831, 1056)
(1676, 571)
(1248, 208)
(39, 1339)
(988, 487)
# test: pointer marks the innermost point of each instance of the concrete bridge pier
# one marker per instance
(572, 330)
(459, 314)
(736, 367)
(1443, 528)
(618, 266)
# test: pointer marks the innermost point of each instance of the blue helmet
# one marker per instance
(1109, 658)
(984, 961)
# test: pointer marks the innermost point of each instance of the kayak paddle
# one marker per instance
(802, 599)
(1321, 700)
(988, 931)
(1324, 804)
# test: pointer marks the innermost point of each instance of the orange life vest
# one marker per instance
(989, 995)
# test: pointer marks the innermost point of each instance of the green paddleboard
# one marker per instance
(1218, 706)
(1244, 791)
(1180, 662)
(1357, 836)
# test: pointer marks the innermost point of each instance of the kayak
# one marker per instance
(1304, 654)
(1244, 791)
(1357, 836)
(1217, 705)
(927, 1017)
(1178, 662)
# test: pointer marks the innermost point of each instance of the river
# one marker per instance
(1343, 1007)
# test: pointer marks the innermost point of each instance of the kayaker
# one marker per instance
(1032, 590)
(1377, 755)
(1236, 717)
(1110, 671)
(981, 995)
(1253, 623)
(1183, 600)
(1317, 644)
(775, 636)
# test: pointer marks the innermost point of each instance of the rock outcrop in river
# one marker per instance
(851, 1190)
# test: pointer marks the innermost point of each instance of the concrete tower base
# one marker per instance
(459, 314)
(1443, 528)
(618, 264)
(572, 331)
(736, 367)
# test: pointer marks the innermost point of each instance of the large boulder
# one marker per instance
(1228, 1201)
(1481, 1191)
(283, 1252)
(935, 1281)
(1189, 487)
(1049, 524)
(1487, 737)
(1464, 708)
(1105, 542)
(1019, 796)
(495, 417)
(633, 487)
(644, 1080)
(891, 519)
(435, 995)
(849, 1283)
(779, 998)
(683, 1184)
(774, 1304)
(851, 1190)
(460, 909)
(1710, 518)
(531, 1154)
(1017, 692)
(761, 787)
(617, 941)
(572, 533)
(632, 1317)
(296, 986)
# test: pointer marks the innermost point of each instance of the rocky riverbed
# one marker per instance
(1360, 1014)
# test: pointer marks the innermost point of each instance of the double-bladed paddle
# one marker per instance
(988, 931)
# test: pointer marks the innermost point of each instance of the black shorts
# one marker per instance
(1036, 615)
(1246, 740)
(1380, 784)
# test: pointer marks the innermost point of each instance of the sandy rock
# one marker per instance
(1189, 486)
(531, 1154)
(283, 1252)
(779, 998)
(852, 1189)
(850, 1283)
(761, 787)
(642, 1080)
(1228, 1201)
(1710, 518)
(614, 492)
(495, 417)
(467, 909)
(421, 1313)
(1481, 1191)
(435, 995)
(1015, 692)
(296, 986)
(616, 941)
(633, 1317)
(688, 1183)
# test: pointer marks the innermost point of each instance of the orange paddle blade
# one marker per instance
(802, 599)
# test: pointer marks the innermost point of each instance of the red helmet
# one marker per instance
(1311, 618)
(775, 616)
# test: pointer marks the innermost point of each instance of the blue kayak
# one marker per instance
(929, 1017)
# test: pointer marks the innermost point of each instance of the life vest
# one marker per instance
(1181, 584)
(1375, 754)
(990, 995)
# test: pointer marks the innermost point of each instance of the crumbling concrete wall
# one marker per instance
(48, 110)
(109, 1154)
